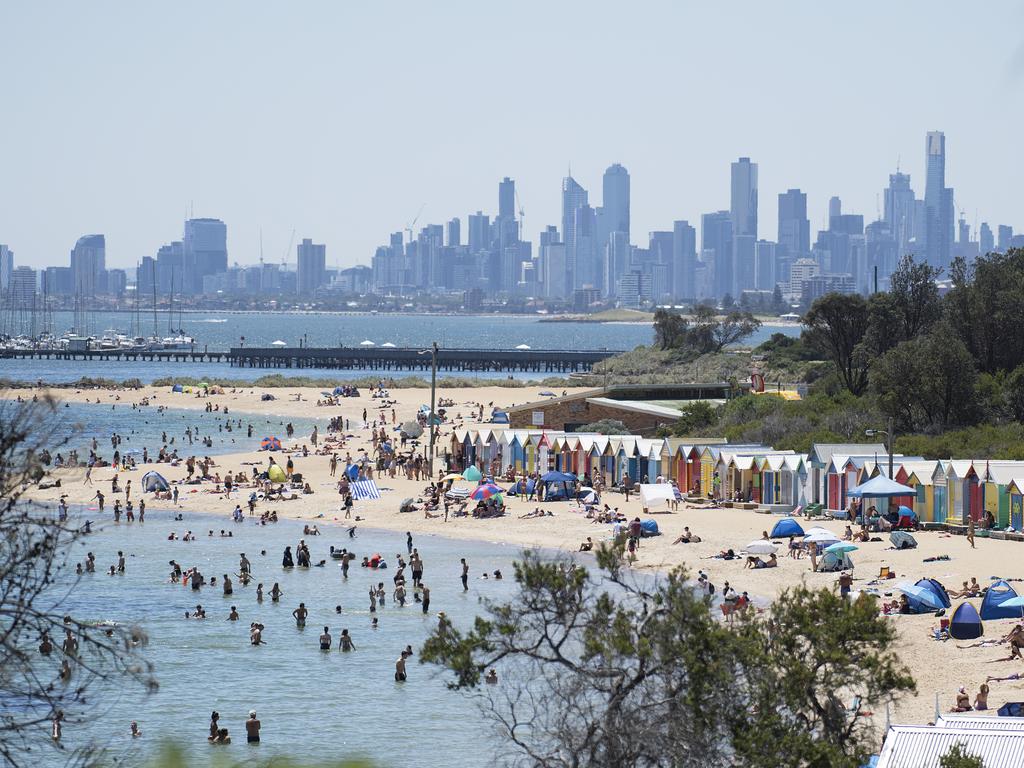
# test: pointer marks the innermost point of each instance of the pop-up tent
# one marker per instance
(472, 474)
(787, 526)
(835, 561)
(902, 540)
(925, 596)
(654, 494)
(154, 481)
(649, 528)
(557, 485)
(965, 624)
(270, 444)
(276, 474)
(177, 388)
(992, 606)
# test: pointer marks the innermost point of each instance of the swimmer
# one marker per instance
(275, 593)
(345, 641)
(325, 640)
(134, 729)
(400, 675)
(491, 678)
(300, 614)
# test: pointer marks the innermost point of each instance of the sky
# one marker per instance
(339, 120)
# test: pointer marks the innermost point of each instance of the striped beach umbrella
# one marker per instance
(485, 491)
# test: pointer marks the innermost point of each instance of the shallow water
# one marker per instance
(313, 705)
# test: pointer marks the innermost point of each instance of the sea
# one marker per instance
(316, 706)
(222, 330)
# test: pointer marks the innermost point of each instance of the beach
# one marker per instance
(939, 667)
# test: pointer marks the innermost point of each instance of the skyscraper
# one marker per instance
(615, 200)
(899, 213)
(1005, 236)
(311, 268)
(454, 233)
(716, 243)
(986, 243)
(206, 251)
(507, 198)
(684, 260)
(88, 263)
(479, 232)
(938, 203)
(584, 262)
(6, 266)
(794, 226)
(573, 196)
(743, 213)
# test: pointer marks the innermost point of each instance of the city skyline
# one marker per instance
(342, 175)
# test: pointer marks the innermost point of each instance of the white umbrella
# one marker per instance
(385, 344)
(279, 343)
(820, 537)
(761, 547)
(367, 343)
(522, 346)
(589, 497)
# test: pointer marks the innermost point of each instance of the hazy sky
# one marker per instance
(340, 119)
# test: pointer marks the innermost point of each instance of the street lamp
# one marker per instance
(888, 439)
(433, 391)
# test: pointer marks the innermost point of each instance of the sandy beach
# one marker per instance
(938, 667)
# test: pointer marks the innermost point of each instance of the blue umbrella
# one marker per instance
(1014, 602)
(925, 596)
(841, 546)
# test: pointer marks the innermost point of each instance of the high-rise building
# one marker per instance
(22, 290)
(6, 266)
(986, 243)
(794, 226)
(311, 267)
(835, 207)
(89, 265)
(716, 243)
(554, 269)
(1005, 238)
(573, 196)
(170, 270)
(765, 266)
(617, 261)
(479, 232)
(454, 233)
(206, 251)
(938, 203)
(507, 198)
(584, 264)
(743, 198)
(899, 214)
(615, 201)
(684, 260)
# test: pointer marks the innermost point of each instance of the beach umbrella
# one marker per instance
(841, 547)
(924, 596)
(460, 492)
(270, 444)
(522, 346)
(279, 343)
(902, 540)
(1014, 602)
(366, 343)
(589, 496)
(821, 537)
(472, 474)
(406, 505)
(452, 476)
(387, 344)
(761, 547)
(412, 429)
(485, 491)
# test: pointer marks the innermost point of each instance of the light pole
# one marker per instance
(888, 441)
(433, 392)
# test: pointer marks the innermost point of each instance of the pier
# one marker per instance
(146, 356)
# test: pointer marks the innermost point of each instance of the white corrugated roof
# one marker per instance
(977, 722)
(921, 746)
(638, 407)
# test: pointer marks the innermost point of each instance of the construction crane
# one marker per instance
(291, 242)
(522, 217)
(409, 227)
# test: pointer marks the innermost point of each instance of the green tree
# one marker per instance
(836, 326)
(605, 427)
(696, 417)
(1014, 392)
(606, 670)
(959, 757)
(671, 329)
(732, 328)
(916, 295)
(778, 305)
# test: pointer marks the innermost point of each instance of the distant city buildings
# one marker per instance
(311, 268)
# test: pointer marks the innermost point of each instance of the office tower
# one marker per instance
(145, 278)
(881, 254)
(170, 269)
(573, 196)
(938, 203)
(479, 232)
(743, 205)
(684, 260)
(899, 213)
(117, 281)
(206, 251)
(1005, 237)
(6, 266)
(88, 263)
(794, 226)
(986, 243)
(56, 281)
(835, 207)
(554, 269)
(507, 198)
(584, 264)
(659, 263)
(22, 290)
(617, 261)
(454, 233)
(765, 265)
(716, 242)
(549, 236)
(615, 200)
(311, 267)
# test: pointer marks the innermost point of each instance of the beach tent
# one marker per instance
(787, 526)
(562, 482)
(649, 528)
(902, 540)
(1011, 709)
(835, 561)
(653, 494)
(270, 444)
(352, 471)
(154, 481)
(279, 343)
(992, 606)
(267, 397)
(276, 474)
(177, 388)
(965, 623)
(925, 596)
(472, 474)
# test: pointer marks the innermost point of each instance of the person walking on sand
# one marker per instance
(970, 529)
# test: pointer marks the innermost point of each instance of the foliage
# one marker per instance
(172, 756)
(605, 427)
(959, 757)
(34, 554)
(706, 333)
(836, 326)
(696, 417)
(604, 670)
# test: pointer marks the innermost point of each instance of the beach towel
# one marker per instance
(365, 489)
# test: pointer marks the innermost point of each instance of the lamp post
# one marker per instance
(430, 420)
(888, 440)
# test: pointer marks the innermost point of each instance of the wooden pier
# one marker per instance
(148, 356)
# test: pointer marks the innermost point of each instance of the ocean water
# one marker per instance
(314, 705)
(221, 330)
(74, 425)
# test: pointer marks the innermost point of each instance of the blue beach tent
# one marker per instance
(786, 527)
(650, 527)
(937, 597)
(992, 606)
(965, 623)
(154, 481)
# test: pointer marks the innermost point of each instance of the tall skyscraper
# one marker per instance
(986, 243)
(615, 201)
(479, 232)
(311, 268)
(6, 266)
(88, 264)
(794, 226)
(835, 207)
(583, 260)
(206, 251)
(1005, 236)
(573, 196)
(716, 241)
(507, 198)
(743, 212)
(454, 233)
(899, 213)
(684, 260)
(938, 203)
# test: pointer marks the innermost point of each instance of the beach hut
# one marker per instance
(940, 503)
(1015, 492)
(965, 623)
(786, 527)
(154, 481)
(710, 481)
(992, 607)
(820, 458)
(649, 458)
(964, 489)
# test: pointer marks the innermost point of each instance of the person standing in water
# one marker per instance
(345, 642)
(465, 574)
(400, 675)
(325, 640)
(300, 614)
(252, 728)
(425, 592)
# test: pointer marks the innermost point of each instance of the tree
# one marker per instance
(959, 757)
(836, 326)
(916, 296)
(732, 328)
(696, 417)
(605, 670)
(34, 569)
(605, 427)
(777, 303)
(671, 329)
(1014, 391)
